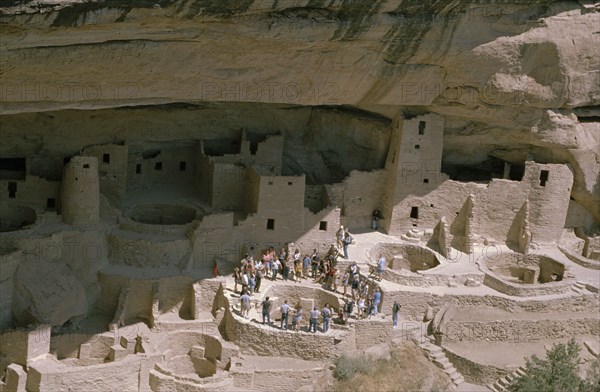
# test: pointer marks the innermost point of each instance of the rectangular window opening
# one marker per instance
(426, 180)
(417, 146)
(270, 182)
(414, 212)
(86, 165)
(270, 224)
(51, 203)
(323, 225)
(158, 166)
(182, 165)
(138, 168)
(544, 177)
(12, 190)
(421, 127)
(106, 158)
(290, 183)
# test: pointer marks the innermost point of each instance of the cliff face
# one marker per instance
(512, 79)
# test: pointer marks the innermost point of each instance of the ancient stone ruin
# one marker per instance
(148, 147)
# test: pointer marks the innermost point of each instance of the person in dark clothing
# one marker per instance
(266, 310)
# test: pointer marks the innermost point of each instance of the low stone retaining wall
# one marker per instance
(414, 303)
(258, 339)
(518, 330)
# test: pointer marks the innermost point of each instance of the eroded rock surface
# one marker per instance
(511, 79)
(47, 293)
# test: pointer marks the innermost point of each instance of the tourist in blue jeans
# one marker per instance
(312, 324)
(285, 310)
(326, 313)
(376, 301)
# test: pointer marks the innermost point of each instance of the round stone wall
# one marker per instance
(405, 256)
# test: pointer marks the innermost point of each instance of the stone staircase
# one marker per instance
(502, 384)
(413, 235)
(437, 356)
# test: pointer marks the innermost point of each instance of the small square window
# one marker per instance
(138, 168)
(51, 203)
(417, 146)
(86, 165)
(158, 166)
(431, 205)
(270, 182)
(290, 183)
(106, 158)
(323, 225)
(414, 225)
(182, 165)
(270, 224)
(426, 180)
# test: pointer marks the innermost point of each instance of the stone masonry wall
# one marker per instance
(256, 339)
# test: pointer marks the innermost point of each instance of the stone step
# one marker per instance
(578, 291)
(440, 357)
(519, 372)
(505, 382)
(499, 387)
(492, 388)
(444, 365)
(580, 284)
(409, 239)
(434, 349)
(459, 380)
(456, 377)
(453, 372)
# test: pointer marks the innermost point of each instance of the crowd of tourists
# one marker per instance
(361, 295)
